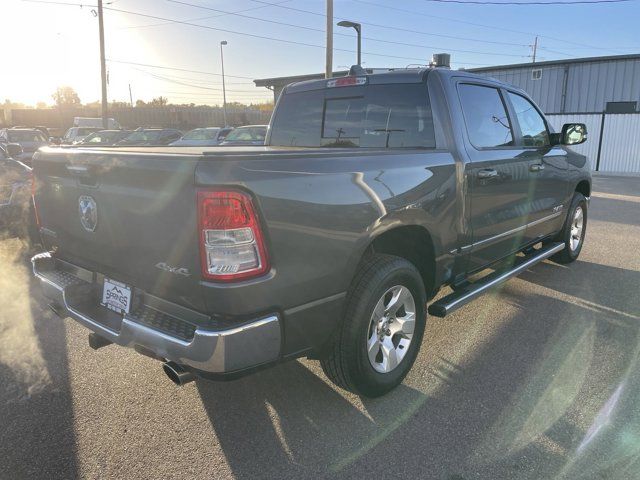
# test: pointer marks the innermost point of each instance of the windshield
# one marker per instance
(85, 131)
(201, 134)
(102, 137)
(247, 134)
(26, 136)
(143, 135)
(382, 116)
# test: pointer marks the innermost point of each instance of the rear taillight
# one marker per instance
(231, 241)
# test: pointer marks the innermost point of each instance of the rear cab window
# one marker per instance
(369, 116)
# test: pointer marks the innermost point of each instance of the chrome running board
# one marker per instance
(464, 295)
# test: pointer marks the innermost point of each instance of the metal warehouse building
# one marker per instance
(602, 92)
(579, 85)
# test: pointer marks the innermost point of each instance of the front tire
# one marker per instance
(573, 231)
(382, 328)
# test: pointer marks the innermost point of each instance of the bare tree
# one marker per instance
(66, 97)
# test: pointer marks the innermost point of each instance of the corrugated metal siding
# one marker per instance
(621, 144)
(546, 92)
(593, 123)
(590, 85)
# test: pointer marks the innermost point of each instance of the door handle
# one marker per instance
(536, 167)
(487, 173)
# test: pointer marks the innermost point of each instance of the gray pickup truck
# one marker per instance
(372, 193)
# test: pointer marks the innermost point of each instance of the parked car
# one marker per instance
(104, 137)
(30, 139)
(77, 134)
(96, 122)
(373, 192)
(247, 135)
(151, 136)
(15, 192)
(209, 136)
(44, 130)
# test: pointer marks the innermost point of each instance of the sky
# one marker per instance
(48, 45)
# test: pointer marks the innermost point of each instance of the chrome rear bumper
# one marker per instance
(169, 334)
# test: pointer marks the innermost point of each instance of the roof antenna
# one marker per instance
(356, 70)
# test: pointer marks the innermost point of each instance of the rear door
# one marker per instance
(497, 175)
(130, 216)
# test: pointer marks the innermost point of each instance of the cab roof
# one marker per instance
(404, 75)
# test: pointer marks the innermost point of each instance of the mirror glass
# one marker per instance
(574, 133)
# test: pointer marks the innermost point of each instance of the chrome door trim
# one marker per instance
(508, 233)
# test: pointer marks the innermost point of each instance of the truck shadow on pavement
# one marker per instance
(37, 437)
(624, 212)
(600, 287)
(522, 406)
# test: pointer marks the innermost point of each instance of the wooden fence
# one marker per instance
(183, 118)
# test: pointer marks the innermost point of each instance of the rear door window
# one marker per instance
(375, 116)
(485, 115)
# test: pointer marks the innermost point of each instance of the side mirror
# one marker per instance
(14, 150)
(573, 134)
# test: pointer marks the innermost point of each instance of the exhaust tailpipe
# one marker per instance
(177, 374)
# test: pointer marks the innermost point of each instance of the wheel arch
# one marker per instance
(411, 241)
(584, 187)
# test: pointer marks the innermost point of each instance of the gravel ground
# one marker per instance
(537, 380)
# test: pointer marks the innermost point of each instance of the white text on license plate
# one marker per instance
(116, 296)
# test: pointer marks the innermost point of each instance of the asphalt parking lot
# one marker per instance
(537, 380)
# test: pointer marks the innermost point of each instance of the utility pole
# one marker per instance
(130, 96)
(103, 68)
(328, 73)
(224, 90)
(535, 49)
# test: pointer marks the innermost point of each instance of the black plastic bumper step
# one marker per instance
(469, 292)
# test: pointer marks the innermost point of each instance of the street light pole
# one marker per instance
(358, 28)
(224, 90)
(103, 68)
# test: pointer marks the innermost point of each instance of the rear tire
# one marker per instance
(573, 231)
(382, 329)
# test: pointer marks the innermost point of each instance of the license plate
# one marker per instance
(116, 296)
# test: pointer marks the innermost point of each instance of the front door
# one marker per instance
(497, 177)
(548, 186)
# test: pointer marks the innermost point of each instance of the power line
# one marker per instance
(81, 5)
(166, 79)
(174, 68)
(204, 18)
(199, 81)
(492, 27)
(555, 51)
(203, 94)
(262, 37)
(344, 34)
(400, 29)
(570, 2)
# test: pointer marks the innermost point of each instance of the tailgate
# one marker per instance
(128, 215)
